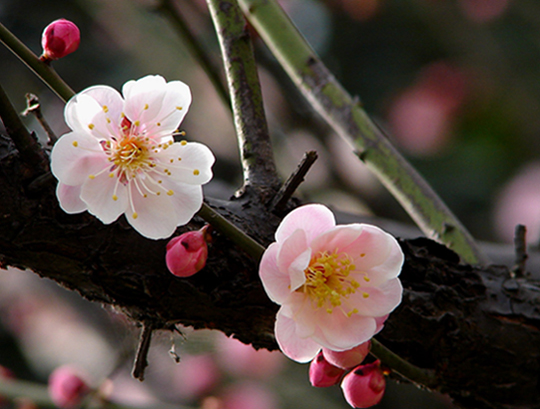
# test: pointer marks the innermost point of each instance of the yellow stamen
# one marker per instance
(91, 126)
(170, 193)
(75, 143)
(196, 172)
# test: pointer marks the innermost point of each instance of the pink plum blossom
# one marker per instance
(322, 373)
(187, 253)
(121, 158)
(364, 386)
(67, 388)
(59, 39)
(334, 283)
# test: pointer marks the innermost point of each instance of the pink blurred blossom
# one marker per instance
(67, 387)
(483, 10)
(248, 395)
(243, 360)
(421, 117)
(195, 376)
(519, 203)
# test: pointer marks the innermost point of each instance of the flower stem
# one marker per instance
(238, 236)
(347, 117)
(42, 70)
(245, 91)
(396, 363)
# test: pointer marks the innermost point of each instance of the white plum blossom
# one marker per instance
(121, 157)
(336, 284)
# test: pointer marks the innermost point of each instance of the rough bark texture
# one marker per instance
(478, 328)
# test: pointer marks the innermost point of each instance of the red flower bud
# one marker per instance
(322, 373)
(347, 359)
(187, 253)
(59, 39)
(67, 388)
(364, 386)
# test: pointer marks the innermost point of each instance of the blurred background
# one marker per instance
(455, 84)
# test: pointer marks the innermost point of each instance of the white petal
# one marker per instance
(75, 156)
(186, 200)
(296, 348)
(69, 198)
(144, 99)
(98, 194)
(156, 216)
(314, 219)
(190, 163)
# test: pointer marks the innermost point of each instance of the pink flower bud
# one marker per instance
(187, 253)
(59, 39)
(323, 373)
(67, 388)
(347, 359)
(364, 386)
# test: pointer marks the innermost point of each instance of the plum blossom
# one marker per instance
(60, 38)
(364, 386)
(121, 157)
(334, 283)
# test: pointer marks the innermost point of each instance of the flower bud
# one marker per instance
(364, 386)
(59, 39)
(67, 388)
(187, 253)
(323, 373)
(347, 359)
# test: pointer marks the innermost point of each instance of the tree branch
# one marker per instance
(249, 118)
(350, 121)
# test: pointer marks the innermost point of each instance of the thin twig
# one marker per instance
(42, 70)
(250, 121)
(169, 11)
(34, 107)
(404, 368)
(350, 121)
(279, 202)
(141, 359)
(520, 244)
(27, 145)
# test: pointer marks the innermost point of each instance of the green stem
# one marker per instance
(238, 236)
(245, 91)
(401, 366)
(167, 8)
(42, 70)
(349, 120)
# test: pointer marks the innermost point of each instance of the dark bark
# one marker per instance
(477, 328)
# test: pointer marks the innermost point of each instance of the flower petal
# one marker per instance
(276, 283)
(70, 198)
(339, 332)
(296, 348)
(98, 194)
(174, 108)
(75, 156)
(337, 239)
(380, 301)
(314, 219)
(144, 99)
(189, 163)
(186, 200)
(293, 258)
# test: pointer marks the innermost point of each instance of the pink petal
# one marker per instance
(276, 283)
(390, 268)
(69, 198)
(381, 300)
(314, 219)
(337, 239)
(297, 349)
(144, 99)
(175, 105)
(293, 258)
(73, 164)
(339, 332)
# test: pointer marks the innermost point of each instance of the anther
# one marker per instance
(196, 172)
(170, 192)
(91, 126)
(75, 143)
(135, 215)
(183, 143)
